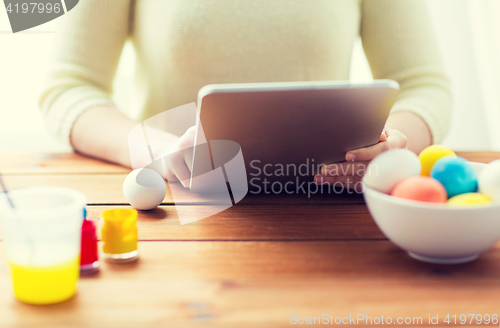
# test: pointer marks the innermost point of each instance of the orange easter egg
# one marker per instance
(421, 188)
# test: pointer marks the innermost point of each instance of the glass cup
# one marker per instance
(42, 235)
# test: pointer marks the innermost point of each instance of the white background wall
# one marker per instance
(464, 44)
(24, 58)
(468, 33)
(456, 33)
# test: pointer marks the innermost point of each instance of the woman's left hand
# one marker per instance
(350, 173)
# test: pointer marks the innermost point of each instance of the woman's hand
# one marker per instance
(350, 173)
(178, 163)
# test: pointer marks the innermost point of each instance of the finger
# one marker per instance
(344, 168)
(383, 137)
(368, 153)
(177, 165)
(188, 158)
(350, 182)
(170, 176)
(395, 139)
(183, 174)
(169, 173)
(321, 179)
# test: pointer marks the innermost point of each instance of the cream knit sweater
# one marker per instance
(182, 45)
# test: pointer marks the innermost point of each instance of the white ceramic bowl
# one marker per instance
(436, 233)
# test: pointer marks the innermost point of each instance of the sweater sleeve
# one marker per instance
(88, 45)
(399, 44)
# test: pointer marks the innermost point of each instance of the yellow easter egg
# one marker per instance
(430, 155)
(469, 200)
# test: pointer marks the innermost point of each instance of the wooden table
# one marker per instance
(254, 265)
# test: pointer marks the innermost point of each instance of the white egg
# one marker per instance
(489, 181)
(390, 168)
(144, 189)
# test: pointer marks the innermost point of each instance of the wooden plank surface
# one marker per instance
(281, 222)
(252, 265)
(65, 163)
(102, 182)
(107, 189)
(99, 188)
(220, 304)
(260, 284)
(479, 156)
(71, 163)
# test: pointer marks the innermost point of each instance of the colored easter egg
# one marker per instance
(455, 174)
(144, 189)
(430, 155)
(391, 167)
(469, 200)
(489, 180)
(421, 188)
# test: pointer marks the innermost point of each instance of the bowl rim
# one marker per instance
(429, 205)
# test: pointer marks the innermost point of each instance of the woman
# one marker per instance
(183, 45)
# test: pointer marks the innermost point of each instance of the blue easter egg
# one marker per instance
(455, 174)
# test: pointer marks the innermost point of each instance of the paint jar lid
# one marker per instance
(88, 227)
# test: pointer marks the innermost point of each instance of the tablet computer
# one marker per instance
(284, 126)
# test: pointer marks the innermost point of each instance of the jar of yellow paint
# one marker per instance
(119, 235)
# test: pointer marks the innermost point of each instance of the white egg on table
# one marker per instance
(489, 181)
(144, 189)
(391, 167)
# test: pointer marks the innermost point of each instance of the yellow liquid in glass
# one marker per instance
(45, 285)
